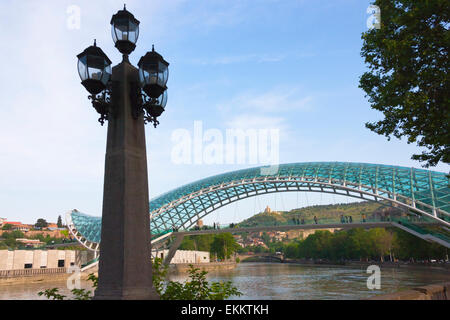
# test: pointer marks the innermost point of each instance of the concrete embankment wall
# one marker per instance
(430, 292)
(184, 267)
(38, 278)
(42, 278)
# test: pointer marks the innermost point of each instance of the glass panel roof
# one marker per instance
(429, 187)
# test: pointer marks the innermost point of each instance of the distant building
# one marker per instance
(268, 210)
(15, 225)
(200, 223)
(42, 259)
(184, 256)
(2, 221)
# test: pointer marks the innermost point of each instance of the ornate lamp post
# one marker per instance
(127, 98)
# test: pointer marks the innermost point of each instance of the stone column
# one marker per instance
(125, 270)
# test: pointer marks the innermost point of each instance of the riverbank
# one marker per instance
(365, 264)
(439, 291)
(49, 278)
(39, 278)
(278, 281)
(208, 266)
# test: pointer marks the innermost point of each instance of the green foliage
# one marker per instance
(65, 233)
(7, 226)
(188, 243)
(94, 280)
(159, 273)
(325, 213)
(220, 245)
(255, 249)
(195, 288)
(10, 239)
(200, 243)
(359, 244)
(41, 223)
(223, 246)
(59, 222)
(52, 294)
(265, 238)
(408, 79)
(81, 294)
(46, 239)
(13, 234)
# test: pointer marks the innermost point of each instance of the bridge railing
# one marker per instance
(328, 220)
(159, 233)
(89, 262)
(433, 230)
(290, 222)
(410, 222)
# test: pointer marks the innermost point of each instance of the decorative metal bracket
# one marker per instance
(144, 105)
(152, 110)
(102, 102)
(136, 100)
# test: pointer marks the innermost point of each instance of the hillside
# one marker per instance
(322, 212)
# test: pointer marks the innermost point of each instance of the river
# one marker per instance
(261, 281)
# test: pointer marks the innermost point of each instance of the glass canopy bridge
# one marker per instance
(420, 193)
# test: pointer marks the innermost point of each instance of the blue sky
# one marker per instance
(289, 65)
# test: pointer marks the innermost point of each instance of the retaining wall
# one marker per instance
(430, 292)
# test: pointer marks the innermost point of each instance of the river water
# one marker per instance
(261, 281)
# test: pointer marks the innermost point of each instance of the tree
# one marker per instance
(9, 239)
(197, 288)
(41, 223)
(408, 79)
(7, 226)
(59, 223)
(381, 242)
(187, 244)
(265, 238)
(224, 245)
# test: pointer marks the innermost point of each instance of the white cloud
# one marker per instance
(251, 121)
(273, 101)
(243, 58)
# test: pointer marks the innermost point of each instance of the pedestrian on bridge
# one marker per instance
(315, 219)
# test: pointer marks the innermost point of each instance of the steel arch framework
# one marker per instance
(418, 191)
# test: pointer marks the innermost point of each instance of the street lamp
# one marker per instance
(153, 73)
(125, 31)
(153, 76)
(128, 98)
(94, 67)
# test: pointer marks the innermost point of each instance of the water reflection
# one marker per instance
(296, 282)
(265, 281)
